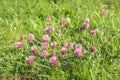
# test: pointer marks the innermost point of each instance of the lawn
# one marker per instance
(59, 40)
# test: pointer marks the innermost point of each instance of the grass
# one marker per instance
(18, 17)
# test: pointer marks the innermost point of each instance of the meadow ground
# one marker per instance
(22, 17)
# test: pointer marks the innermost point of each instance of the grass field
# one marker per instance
(22, 17)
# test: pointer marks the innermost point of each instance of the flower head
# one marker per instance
(31, 37)
(48, 18)
(44, 44)
(85, 26)
(70, 45)
(65, 44)
(78, 46)
(78, 52)
(52, 27)
(92, 49)
(87, 20)
(93, 32)
(104, 12)
(64, 50)
(30, 59)
(18, 44)
(45, 53)
(46, 37)
(59, 31)
(63, 22)
(54, 44)
(53, 61)
(34, 49)
(47, 30)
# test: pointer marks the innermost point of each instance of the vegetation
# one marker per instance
(20, 18)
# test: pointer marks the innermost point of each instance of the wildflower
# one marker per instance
(47, 30)
(54, 44)
(78, 52)
(44, 44)
(34, 49)
(48, 18)
(78, 46)
(92, 49)
(53, 61)
(52, 27)
(18, 44)
(64, 50)
(31, 37)
(45, 53)
(30, 59)
(104, 12)
(93, 32)
(58, 32)
(87, 20)
(70, 45)
(46, 37)
(85, 26)
(63, 22)
(65, 44)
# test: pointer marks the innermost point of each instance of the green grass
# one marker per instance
(21, 17)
